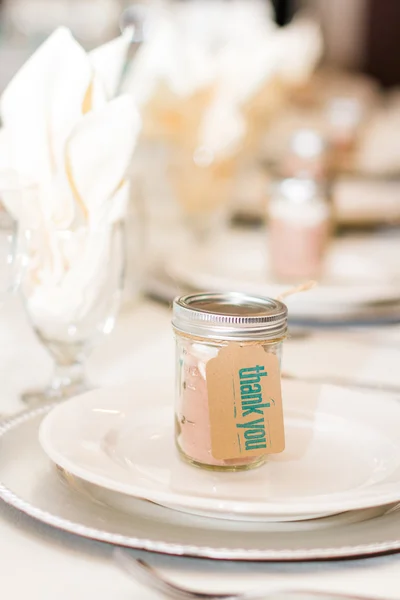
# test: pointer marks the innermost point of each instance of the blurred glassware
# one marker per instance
(91, 21)
(207, 79)
(379, 149)
(135, 243)
(8, 260)
(11, 261)
(177, 199)
(72, 303)
(344, 118)
(202, 187)
(298, 231)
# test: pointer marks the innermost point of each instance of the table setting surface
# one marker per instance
(203, 148)
(80, 567)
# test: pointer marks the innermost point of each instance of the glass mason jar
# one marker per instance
(299, 227)
(218, 337)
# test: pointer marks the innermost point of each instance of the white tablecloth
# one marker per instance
(38, 562)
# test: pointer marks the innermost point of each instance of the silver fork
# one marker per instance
(144, 573)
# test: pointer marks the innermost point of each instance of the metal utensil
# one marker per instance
(141, 571)
(133, 23)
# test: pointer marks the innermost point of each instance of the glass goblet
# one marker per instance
(13, 190)
(71, 287)
(8, 258)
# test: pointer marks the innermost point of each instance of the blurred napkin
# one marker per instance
(65, 133)
(216, 58)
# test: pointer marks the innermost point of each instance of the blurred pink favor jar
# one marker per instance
(231, 328)
(299, 229)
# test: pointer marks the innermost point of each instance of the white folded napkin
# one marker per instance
(299, 48)
(65, 134)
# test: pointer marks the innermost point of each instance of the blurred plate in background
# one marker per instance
(361, 273)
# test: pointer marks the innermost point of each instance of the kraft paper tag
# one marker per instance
(245, 402)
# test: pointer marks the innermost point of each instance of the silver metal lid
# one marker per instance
(230, 316)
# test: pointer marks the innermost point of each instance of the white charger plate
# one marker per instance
(342, 453)
(30, 483)
(359, 272)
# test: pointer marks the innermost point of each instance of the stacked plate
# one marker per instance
(106, 468)
(361, 279)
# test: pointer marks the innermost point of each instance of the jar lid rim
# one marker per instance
(232, 314)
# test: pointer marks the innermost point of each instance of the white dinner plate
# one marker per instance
(359, 271)
(30, 483)
(342, 453)
(128, 505)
